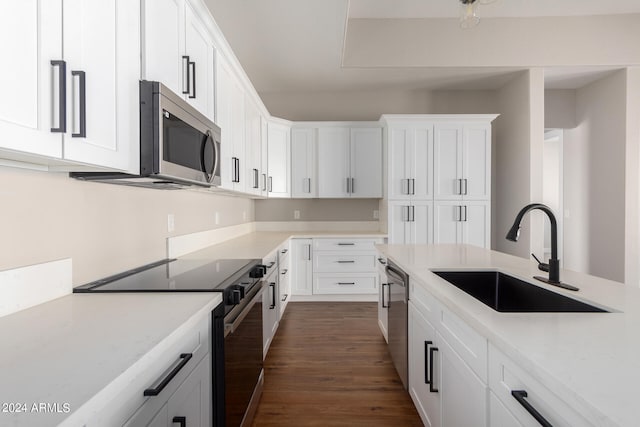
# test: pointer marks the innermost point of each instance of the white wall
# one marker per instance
(632, 178)
(560, 109)
(345, 105)
(105, 228)
(601, 114)
(517, 160)
(316, 209)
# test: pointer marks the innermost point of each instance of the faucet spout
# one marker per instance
(514, 234)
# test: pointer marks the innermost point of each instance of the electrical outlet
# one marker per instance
(296, 214)
(171, 223)
(376, 214)
(216, 218)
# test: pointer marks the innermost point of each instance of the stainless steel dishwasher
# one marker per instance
(398, 324)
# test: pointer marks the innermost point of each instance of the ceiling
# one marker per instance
(297, 45)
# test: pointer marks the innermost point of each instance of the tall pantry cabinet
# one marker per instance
(438, 178)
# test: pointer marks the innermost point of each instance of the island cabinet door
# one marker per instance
(301, 266)
(463, 394)
(422, 339)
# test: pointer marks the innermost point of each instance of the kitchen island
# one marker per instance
(588, 360)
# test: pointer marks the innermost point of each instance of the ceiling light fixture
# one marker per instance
(469, 12)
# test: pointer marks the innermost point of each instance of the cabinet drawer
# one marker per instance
(325, 283)
(194, 341)
(424, 301)
(505, 376)
(271, 261)
(345, 244)
(330, 263)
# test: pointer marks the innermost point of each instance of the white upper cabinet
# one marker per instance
(80, 107)
(253, 148)
(32, 31)
(462, 158)
(200, 61)
(163, 43)
(349, 162)
(178, 51)
(102, 53)
(304, 176)
(333, 162)
(366, 162)
(410, 165)
(264, 143)
(279, 160)
(231, 119)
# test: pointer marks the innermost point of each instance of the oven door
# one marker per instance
(243, 362)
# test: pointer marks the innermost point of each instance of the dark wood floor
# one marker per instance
(329, 366)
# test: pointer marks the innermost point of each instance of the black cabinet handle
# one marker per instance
(264, 182)
(426, 362)
(272, 285)
(192, 68)
(353, 185)
(62, 96)
(180, 420)
(382, 290)
(382, 261)
(237, 169)
(432, 388)
(346, 283)
(255, 178)
(412, 186)
(83, 104)
(284, 251)
(186, 82)
(284, 271)
(271, 264)
(346, 244)
(284, 298)
(157, 390)
(345, 262)
(270, 184)
(520, 396)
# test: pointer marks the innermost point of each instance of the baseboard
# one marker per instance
(334, 298)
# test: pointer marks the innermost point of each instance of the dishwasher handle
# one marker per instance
(400, 276)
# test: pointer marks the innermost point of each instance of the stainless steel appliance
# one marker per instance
(398, 282)
(179, 146)
(237, 368)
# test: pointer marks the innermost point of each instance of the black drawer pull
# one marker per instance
(426, 363)
(273, 295)
(62, 96)
(345, 262)
(432, 388)
(346, 283)
(284, 298)
(346, 244)
(157, 390)
(180, 420)
(520, 395)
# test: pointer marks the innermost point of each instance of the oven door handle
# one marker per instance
(231, 327)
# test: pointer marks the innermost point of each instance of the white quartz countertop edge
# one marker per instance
(496, 327)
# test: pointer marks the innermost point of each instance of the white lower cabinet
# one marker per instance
(270, 301)
(301, 265)
(445, 385)
(190, 403)
(524, 398)
(499, 415)
(155, 402)
(284, 282)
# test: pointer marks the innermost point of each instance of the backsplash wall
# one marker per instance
(104, 228)
(316, 209)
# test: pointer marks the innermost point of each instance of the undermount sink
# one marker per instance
(508, 294)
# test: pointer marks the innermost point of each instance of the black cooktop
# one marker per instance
(175, 275)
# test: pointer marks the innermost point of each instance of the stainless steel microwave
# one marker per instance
(179, 146)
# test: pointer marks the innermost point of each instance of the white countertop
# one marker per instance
(260, 244)
(70, 350)
(591, 360)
